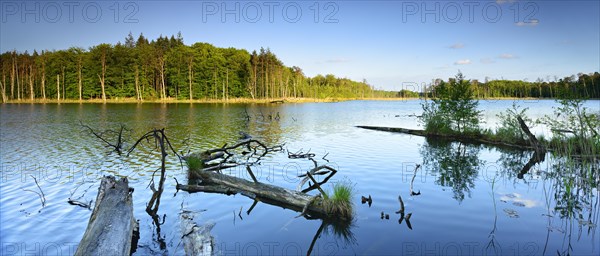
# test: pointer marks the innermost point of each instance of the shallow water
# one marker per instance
(471, 201)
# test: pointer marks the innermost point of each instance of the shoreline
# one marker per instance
(234, 100)
(196, 101)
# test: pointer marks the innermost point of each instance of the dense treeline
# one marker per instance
(164, 68)
(580, 86)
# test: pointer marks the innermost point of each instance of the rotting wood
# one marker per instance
(196, 239)
(266, 193)
(211, 180)
(111, 225)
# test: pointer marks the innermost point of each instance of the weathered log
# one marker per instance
(196, 239)
(470, 139)
(111, 225)
(267, 193)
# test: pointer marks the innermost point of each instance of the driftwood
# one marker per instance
(221, 158)
(266, 193)
(196, 239)
(111, 225)
(212, 181)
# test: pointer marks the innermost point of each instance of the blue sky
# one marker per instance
(392, 44)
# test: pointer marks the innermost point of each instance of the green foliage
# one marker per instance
(510, 129)
(166, 68)
(434, 119)
(339, 203)
(194, 163)
(582, 85)
(574, 128)
(407, 94)
(453, 109)
(455, 164)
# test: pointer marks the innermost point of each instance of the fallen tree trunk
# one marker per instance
(460, 138)
(294, 200)
(111, 225)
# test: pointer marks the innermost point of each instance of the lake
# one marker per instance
(472, 199)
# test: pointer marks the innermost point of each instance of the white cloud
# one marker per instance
(487, 61)
(518, 200)
(463, 62)
(531, 23)
(457, 46)
(508, 56)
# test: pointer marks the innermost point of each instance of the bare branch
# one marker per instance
(116, 147)
(40, 194)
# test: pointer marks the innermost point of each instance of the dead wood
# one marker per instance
(111, 225)
(256, 190)
(117, 146)
(196, 239)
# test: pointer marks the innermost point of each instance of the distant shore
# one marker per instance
(218, 101)
(235, 100)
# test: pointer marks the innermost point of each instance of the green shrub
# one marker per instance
(574, 128)
(453, 109)
(510, 129)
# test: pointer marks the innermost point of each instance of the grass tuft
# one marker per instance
(194, 163)
(339, 203)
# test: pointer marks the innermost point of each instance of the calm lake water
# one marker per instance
(472, 199)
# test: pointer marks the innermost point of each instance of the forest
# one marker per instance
(583, 86)
(163, 69)
(167, 69)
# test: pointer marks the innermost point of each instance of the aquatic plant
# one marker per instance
(339, 203)
(194, 163)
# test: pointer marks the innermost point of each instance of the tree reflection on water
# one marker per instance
(455, 164)
(570, 186)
